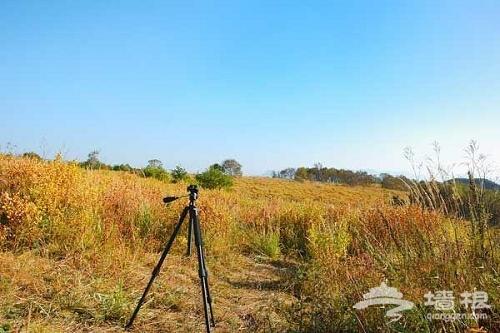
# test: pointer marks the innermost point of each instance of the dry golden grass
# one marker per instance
(79, 246)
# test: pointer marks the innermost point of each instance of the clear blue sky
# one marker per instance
(273, 84)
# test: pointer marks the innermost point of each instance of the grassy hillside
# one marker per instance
(78, 248)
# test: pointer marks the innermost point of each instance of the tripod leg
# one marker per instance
(190, 236)
(156, 270)
(202, 272)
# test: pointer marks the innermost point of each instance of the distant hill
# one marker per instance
(488, 184)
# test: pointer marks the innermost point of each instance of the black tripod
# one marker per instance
(194, 228)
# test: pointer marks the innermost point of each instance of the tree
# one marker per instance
(122, 167)
(154, 163)
(288, 173)
(232, 168)
(317, 171)
(179, 174)
(32, 155)
(394, 183)
(92, 161)
(214, 178)
(217, 166)
(302, 174)
(155, 170)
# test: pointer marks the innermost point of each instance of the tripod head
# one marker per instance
(193, 194)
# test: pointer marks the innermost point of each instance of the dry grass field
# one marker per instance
(78, 247)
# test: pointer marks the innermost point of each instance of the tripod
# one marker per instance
(194, 228)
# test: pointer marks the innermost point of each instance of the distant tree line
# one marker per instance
(320, 173)
(217, 176)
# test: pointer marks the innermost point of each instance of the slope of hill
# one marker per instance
(488, 184)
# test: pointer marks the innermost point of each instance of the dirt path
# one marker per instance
(246, 292)
(48, 296)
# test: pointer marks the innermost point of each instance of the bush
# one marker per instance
(214, 178)
(179, 174)
(395, 183)
(156, 172)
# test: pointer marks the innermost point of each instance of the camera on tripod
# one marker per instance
(193, 192)
(192, 189)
